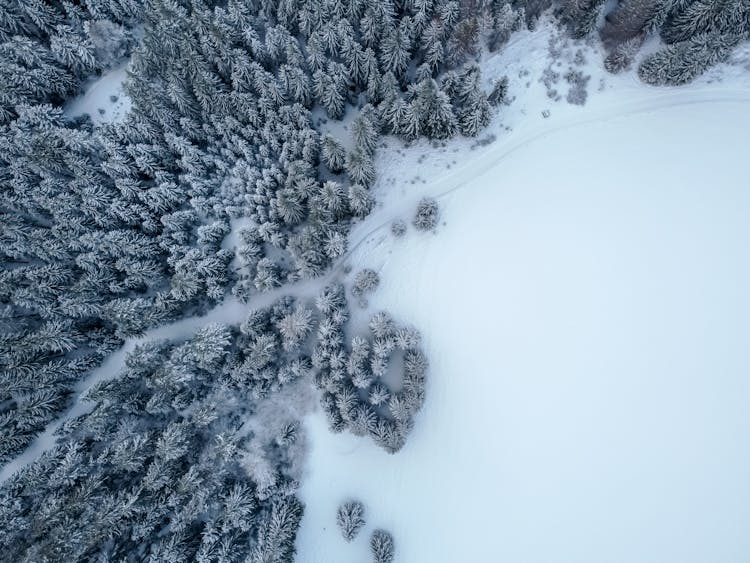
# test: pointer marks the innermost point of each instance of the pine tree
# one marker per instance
(426, 216)
(360, 201)
(350, 519)
(681, 62)
(333, 153)
(360, 167)
(365, 281)
(381, 546)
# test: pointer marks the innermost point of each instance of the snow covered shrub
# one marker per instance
(366, 281)
(381, 546)
(350, 518)
(426, 216)
(398, 228)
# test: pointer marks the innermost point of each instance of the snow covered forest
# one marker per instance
(177, 292)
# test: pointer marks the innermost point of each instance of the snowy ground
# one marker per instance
(586, 314)
(104, 99)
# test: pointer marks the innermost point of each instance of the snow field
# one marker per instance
(99, 96)
(585, 312)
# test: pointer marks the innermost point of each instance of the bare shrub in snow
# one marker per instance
(577, 94)
(381, 546)
(426, 217)
(350, 518)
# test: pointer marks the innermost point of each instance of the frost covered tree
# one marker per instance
(426, 216)
(334, 155)
(360, 167)
(698, 35)
(350, 518)
(360, 201)
(381, 547)
(365, 281)
(499, 94)
(581, 16)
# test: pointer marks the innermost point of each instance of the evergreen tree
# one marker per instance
(681, 62)
(426, 216)
(381, 546)
(350, 519)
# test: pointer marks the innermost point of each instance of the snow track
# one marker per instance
(497, 152)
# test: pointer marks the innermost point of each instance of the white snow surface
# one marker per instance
(585, 310)
(97, 96)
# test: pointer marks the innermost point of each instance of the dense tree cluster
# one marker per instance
(697, 33)
(155, 470)
(353, 376)
(159, 466)
(113, 230)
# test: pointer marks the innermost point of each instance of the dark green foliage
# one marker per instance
(355, 395)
